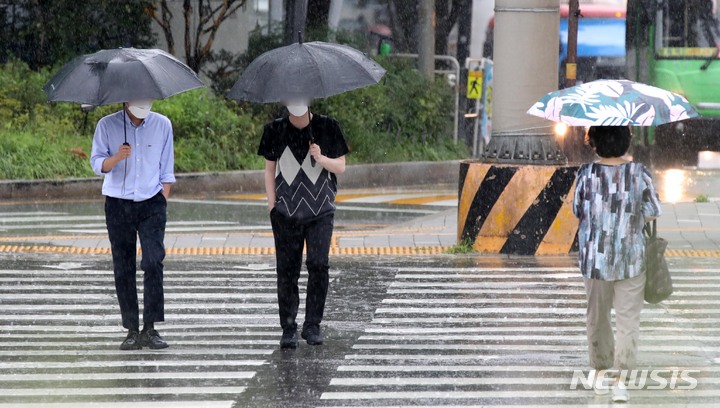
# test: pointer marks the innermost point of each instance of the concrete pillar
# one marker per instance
(518, 198)
(526, 53)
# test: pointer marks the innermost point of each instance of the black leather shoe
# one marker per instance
(289, 339)
(151, 338)
(312, 335)
(132, 341)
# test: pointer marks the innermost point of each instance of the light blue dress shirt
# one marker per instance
(151, 162)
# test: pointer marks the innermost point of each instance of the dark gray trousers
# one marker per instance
(290, 238)
(126, 220)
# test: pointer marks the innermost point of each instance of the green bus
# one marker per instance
(674, 45)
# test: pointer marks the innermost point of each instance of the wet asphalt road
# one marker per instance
(442, 330)
(449, 330)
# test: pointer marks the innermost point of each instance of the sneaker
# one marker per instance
(132, 341)
(312, 335)
(289, 339)
(602, 384)
(151, 338)
(620, 393)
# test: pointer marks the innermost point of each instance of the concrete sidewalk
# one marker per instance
(692, 229)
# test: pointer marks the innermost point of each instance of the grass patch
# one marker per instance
(464, 247)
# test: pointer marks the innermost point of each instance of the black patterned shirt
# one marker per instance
(304, 190)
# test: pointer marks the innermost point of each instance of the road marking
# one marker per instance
(141, 391)
(455, 337)
(64, 346)
(214, 375)
(106, 404)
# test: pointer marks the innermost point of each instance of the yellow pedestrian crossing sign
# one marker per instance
(474, 84)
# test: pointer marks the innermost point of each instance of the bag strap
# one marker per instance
(650, 229)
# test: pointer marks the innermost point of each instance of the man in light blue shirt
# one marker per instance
(133, 150)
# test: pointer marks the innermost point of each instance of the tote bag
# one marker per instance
(658, 283)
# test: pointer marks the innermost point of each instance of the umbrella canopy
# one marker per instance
(120, 75)
(607, 102)
(304, 71)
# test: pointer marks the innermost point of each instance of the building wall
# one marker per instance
(232, 35)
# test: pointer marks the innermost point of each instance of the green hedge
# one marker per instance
(404, 118)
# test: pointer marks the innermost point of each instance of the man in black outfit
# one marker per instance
(303, 153)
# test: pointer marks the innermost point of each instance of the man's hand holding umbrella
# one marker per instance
(336, 165)
(124, 152)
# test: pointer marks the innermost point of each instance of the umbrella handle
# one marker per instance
(312, 137)
(312, 159)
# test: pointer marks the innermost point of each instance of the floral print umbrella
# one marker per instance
(606, 102)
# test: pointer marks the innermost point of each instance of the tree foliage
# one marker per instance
(223, 67)
(47, 32)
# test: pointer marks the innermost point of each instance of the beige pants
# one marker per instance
(626, 296)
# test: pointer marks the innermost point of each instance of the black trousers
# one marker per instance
(290, 237)
(126, 220)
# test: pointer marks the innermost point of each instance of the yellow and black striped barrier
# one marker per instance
(517, 209)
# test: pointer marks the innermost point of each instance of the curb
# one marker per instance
(355, 176)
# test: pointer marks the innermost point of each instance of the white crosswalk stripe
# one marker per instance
(60, 332)
(486, 337)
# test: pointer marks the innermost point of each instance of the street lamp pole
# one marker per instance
(426, 49)
(571, 63)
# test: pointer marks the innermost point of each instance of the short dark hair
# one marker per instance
(609, 141)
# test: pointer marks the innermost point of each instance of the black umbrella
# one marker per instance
(304, 71)
(120, 75)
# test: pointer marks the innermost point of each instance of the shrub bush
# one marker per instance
(404, 118)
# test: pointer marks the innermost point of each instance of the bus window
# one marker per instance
(687, 29)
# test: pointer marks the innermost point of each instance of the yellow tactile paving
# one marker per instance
(423, 200)
(405, 250)
(692, 253)
(431, 250)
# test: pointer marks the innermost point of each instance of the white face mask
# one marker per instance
(140, 108)
(297, 109)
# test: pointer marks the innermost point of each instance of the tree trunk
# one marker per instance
(187, 14)
(295, 17)
(318, 13)
(443, 26)
(164, 21)
(403, 19)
